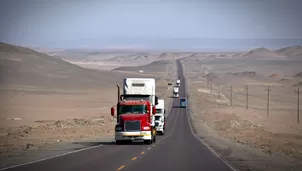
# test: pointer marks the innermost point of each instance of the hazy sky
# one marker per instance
(81, 23)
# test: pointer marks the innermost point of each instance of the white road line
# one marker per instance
(59, 155)
(191, 128)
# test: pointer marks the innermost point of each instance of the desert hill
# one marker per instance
(298, 75)
(210, 76)
(26, 67)
(275, 75)
(292, 52)
(131, 57)
(88, 54)
(263, 53)
(156, 66)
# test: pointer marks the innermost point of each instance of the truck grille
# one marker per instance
(132, 126)
(156, 123)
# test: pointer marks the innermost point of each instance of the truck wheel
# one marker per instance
(148, 142)
(163, 132)
(154, 139)
(154, 136)
(128, 142)
(118, 142)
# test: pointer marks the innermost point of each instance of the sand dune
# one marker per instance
(133, 57)
(298, 75)
(156, 66)
(298, 84)
(23, 66)
(210, 76)
(244, 73)
(275, 75)
(263, 53)
(292, 52)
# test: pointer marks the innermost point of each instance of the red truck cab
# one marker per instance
(134, 118)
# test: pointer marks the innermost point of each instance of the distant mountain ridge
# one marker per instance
(24, 66)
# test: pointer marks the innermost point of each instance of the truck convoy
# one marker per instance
(175, 92)
(135, 111)
(160, 118)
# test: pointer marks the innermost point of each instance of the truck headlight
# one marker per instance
(118, 128)
(146, 128)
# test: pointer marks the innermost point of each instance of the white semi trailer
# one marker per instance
(178, 83)
(175, 92)
(160, 117)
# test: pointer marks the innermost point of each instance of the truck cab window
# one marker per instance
(157, 118)
(133, 109)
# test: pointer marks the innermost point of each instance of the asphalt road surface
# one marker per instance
(177, 150)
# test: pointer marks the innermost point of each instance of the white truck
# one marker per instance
(136, 110)
(160, 119)
(175, 92)
(178, 83)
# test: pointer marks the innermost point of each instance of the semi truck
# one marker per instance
(183, 102)
(135, 111)
(160, 119)
(175, 92)
(178, 83)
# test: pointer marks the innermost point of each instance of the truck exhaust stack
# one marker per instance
(118, 93)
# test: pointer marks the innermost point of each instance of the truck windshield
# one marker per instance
(157, 118)
(182, 100)
(159, 111)
(133, 109)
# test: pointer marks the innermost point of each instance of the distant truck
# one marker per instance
(178, 83)
(175, 92)
(160, 119)
(135, 111)
(183, 103)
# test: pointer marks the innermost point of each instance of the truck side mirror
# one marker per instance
(121, 97)
(165, 111)
(153, 110)
(156, 100)
(112, 111)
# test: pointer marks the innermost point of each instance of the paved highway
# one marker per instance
(177, 150)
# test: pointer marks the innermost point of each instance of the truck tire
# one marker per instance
(118, 142)
(154, 136)
(153, 133)
(149, 142)
(154, 139)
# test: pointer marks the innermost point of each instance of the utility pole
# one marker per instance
(231, 96)
(211, 86)
(219, 92)
(208, 84)
(298, 105)
(247, 96)
(267, 108)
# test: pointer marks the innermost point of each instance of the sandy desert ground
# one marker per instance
(48, 103)
(247, 138)
(52, 104)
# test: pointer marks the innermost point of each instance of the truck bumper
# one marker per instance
(160, 128)
(138, 135)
